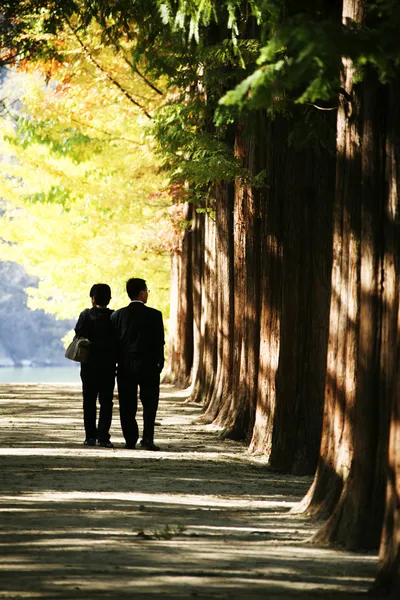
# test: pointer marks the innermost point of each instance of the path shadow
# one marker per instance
(200, 519)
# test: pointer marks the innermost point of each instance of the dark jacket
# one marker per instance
(140, 337)
(95, 324)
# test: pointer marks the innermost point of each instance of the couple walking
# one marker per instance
(128, 342)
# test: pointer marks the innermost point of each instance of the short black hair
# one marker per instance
(134, 286)
(101, 292)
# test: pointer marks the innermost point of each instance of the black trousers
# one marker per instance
(98, 380)
(149, 386)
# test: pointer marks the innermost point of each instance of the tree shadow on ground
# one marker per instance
(200, 519)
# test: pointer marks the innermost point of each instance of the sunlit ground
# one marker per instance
(200, 519)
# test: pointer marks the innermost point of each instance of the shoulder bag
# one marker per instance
(78, 350)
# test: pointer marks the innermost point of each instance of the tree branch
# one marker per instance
(105, 132)
(134, 69)
(108, 76)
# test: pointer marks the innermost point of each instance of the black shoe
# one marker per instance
(107, 444)
(146, 445)
(130, 446)
(90, 442)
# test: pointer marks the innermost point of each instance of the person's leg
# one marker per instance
(89, 390)
(149, 395)
(106, 393)
(127, 398)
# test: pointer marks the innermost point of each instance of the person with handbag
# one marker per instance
(140, 357)
(98, 371)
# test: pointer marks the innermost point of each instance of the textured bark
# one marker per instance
(186, 306)
(349, 484)
(387, 583)
(173, 342)
(388, 578)
(237, 415)
(206, 316)
(181, 322)
(223, 388)
(197, 278)
(271, 267)
(336, 451)
(295, 292)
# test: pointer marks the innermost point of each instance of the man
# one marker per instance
(140, 356)
(98, 374)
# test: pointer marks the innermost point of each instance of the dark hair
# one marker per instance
(101, 292)
(134, 286)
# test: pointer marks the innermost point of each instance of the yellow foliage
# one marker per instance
(81, 193)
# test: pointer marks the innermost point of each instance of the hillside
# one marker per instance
(26, 336)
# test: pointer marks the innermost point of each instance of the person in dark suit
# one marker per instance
(98, 374)
(140, 358)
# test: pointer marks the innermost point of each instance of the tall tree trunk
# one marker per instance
(295, 292)
(336, 450)
(349, 481)
(388, 578)
(271, 272)
(186, 305)
(387, 583)
(181, 310)
(223, 388)
(237, 416)
(206, 317)
(198, 260)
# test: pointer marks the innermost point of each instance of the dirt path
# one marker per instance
(200, 519)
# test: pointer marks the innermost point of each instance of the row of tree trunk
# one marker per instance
(287, 319)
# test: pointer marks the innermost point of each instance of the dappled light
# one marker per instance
(243, 158)
(198, 517)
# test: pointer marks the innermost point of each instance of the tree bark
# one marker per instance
(223, 388)
(197, 283)
(295, 293)
(271, 272)
(206, 315)
(237, 415)
(181, 310)
(349, 484)
(387, 582)
(336, 451)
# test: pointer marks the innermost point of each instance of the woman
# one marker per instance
(98, 374)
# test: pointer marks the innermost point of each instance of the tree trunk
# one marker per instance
(206, 315)
(388, 578)
(271, 273)
(336, 451)
(237, 416)
(181, 310)
(224, 294)
(350, 477)
(197, 283)
(295, 292)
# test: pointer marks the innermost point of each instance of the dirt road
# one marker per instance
(200, 519)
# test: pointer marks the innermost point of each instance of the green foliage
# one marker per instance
(112, 65)
(56, 194)
(314, 128)
(189, 152)
(301, 59)
(64, 141)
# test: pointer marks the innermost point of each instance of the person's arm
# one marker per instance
(115, 321)
(162, 343)
(82, 328)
